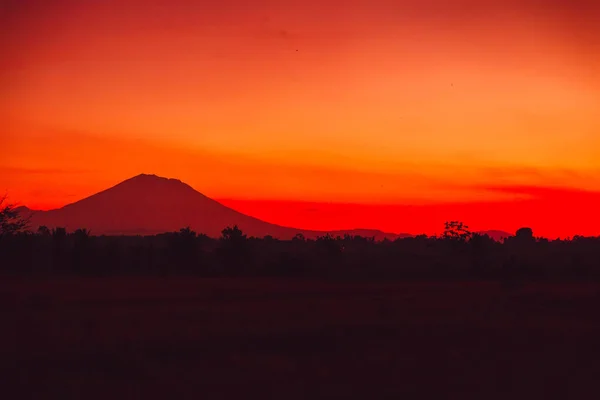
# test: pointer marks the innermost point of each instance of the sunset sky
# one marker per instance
(389, 114)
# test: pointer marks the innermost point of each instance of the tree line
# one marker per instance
(456, 254)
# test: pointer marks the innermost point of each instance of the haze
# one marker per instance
(312, 114)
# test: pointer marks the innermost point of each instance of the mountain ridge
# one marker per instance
(148, 204)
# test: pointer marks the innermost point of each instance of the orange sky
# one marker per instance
(368, 102)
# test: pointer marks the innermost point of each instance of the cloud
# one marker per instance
(547, 192)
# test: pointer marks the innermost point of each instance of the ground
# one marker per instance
(98, 338)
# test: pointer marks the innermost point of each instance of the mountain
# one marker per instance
(149, 204)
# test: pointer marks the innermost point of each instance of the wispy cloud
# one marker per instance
(545, 192)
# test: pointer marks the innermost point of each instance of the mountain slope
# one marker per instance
(148, 204)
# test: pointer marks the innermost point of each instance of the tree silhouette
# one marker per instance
(187, 233)
(233, 235)
(524, 234)
(44, 231)
(298, 237)
(11, 220)
(81, 234)
(456, 230)
(234, 249)
(81, 248)
(183, 248)
(59, 233)
(329, 246)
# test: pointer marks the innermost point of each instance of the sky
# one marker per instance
(396, 115)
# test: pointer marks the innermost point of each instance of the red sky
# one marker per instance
(463, 108)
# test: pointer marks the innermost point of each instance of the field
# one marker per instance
(101, 338)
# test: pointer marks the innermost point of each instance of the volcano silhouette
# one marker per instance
(149, 204)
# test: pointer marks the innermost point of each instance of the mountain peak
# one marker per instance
(153, 182)
(150, 178)
(144, 185)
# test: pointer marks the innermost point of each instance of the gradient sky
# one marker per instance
(484, 110)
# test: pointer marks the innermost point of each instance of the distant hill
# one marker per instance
(149, 204)
(496, 235)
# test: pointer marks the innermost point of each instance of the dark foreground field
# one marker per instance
(102, 338)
